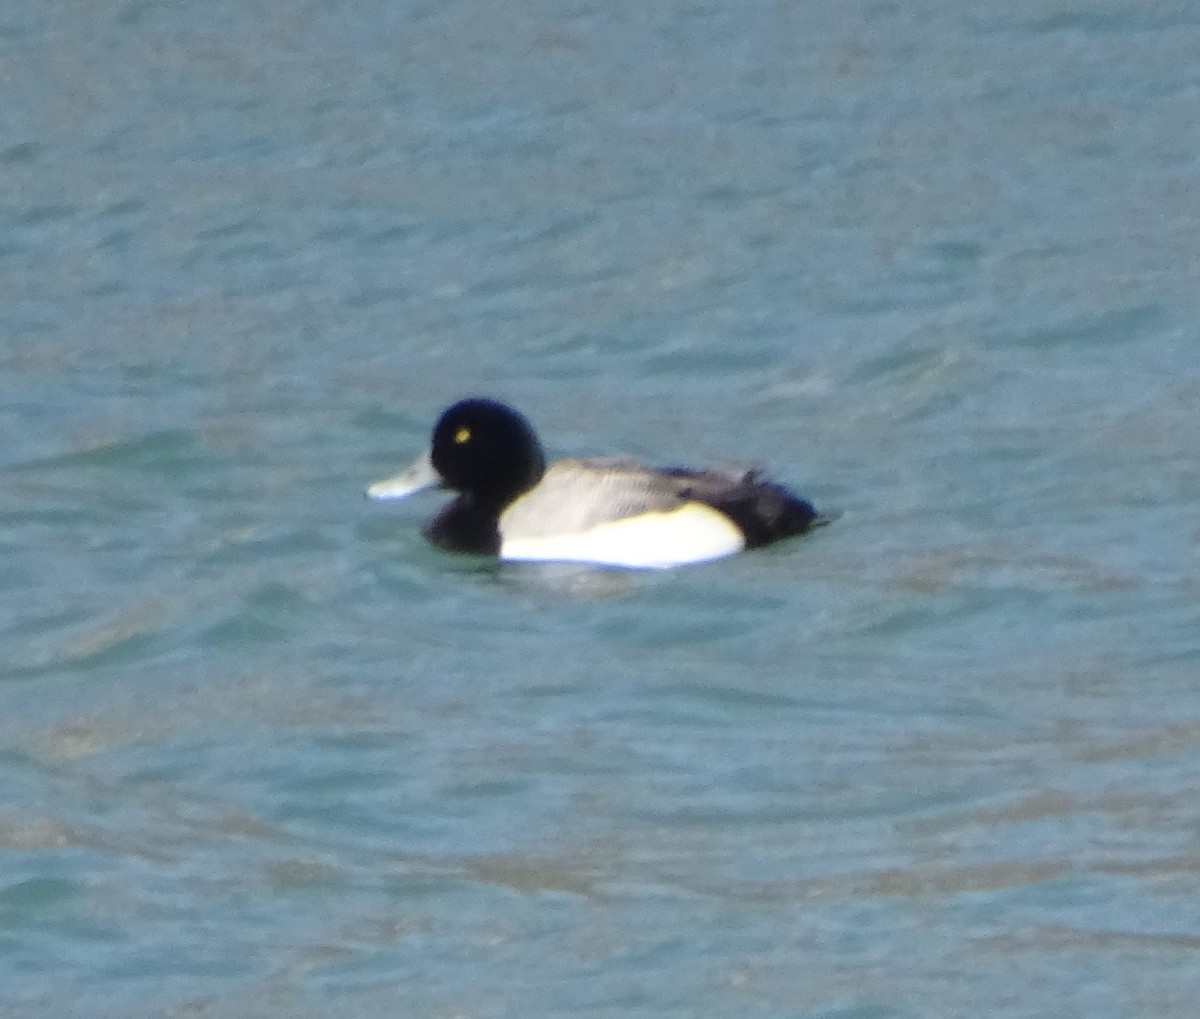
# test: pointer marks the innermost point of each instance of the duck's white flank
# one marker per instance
(693, 533)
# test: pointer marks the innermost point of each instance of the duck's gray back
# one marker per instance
(577, 495)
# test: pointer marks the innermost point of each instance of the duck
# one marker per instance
(610, 511)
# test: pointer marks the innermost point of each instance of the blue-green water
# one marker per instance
(264, 753)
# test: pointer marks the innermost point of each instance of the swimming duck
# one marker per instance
(609, 511)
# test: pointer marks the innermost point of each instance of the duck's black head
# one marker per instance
(487, 451)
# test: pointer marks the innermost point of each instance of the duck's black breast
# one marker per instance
(464, 526)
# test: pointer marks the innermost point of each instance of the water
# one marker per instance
(264, 753)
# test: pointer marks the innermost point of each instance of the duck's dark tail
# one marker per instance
(767, 512)
(764, 511)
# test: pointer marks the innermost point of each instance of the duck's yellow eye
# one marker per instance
(462, 435)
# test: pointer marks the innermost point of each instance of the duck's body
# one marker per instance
(611, 511)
